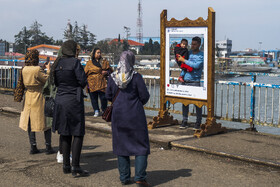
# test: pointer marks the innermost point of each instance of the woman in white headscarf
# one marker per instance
(129, 125)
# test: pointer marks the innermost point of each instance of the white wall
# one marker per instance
(47, 51)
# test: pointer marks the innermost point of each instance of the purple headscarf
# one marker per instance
(124, 73)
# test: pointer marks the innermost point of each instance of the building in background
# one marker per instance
(2, 48)
(145, 39)
(47, 50)
(133, 45)
(11, 47)
(223, 48)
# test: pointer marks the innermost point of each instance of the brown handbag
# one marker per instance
(108, 112)
(19, 91)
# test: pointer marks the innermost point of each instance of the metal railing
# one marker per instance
(234, 101)
(9, 76)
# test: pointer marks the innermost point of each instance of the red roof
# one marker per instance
(46, 46)
(13, 54)
(130, 42)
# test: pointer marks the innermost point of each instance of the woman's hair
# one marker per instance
(78, 50)
(92, 54)
(32, 58)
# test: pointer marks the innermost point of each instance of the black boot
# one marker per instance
(66, 169)
(34, 150)
(79, 172)
(49, 149)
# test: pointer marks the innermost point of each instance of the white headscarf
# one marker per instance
(124, 73)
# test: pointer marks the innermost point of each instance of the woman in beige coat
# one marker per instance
(32, 118)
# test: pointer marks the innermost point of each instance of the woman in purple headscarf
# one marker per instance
(129, 125)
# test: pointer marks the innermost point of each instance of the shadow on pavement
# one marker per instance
(89, 113)
(90, 147)
(162, 176)
(99, 161)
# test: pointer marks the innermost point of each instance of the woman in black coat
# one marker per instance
(69, 118)
(129, 125)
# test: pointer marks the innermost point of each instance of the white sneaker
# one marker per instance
(59, 157)
(96, 113)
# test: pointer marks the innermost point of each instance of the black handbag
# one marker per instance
(108, 112)
(49, 106)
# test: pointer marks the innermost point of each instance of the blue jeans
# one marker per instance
(140, 168)
(185, 109)
(94, 100)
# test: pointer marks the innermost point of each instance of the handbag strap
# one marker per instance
(115, 96)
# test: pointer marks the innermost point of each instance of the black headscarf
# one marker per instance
(94, 60)
(68, 49)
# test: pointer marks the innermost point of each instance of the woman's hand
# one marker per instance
(48, 66)
(104, 72)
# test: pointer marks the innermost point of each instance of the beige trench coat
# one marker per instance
(34, 79)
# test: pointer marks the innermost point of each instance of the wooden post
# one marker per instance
(163, 117)
(163, 19)
(211, 126)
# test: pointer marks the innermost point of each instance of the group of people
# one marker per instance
(64, 81)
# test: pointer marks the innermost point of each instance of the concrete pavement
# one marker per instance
(166, 168)
(247, 146)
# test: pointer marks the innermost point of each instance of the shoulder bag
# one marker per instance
(49, 106)
(50, 103)
(108, 112)
(19, 91)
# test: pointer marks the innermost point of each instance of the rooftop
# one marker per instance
(130, 42)
(44, 46)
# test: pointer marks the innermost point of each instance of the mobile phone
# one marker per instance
(47, 61)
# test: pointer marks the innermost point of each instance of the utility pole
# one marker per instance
(139, 32)
(260, 46)
(127, 31)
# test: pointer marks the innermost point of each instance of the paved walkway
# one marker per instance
(237, 144)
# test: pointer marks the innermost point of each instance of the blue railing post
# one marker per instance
(15, 78)
(15, 75)
(252, 105)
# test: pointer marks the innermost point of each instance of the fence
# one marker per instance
(234, 101)
(9, 76)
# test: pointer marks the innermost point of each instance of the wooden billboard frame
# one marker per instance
(210, 127)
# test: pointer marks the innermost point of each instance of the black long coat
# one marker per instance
(70, 79)
(129, 124)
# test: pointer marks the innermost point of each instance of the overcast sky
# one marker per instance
(245, 22)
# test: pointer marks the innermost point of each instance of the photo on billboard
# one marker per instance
(186, 50)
